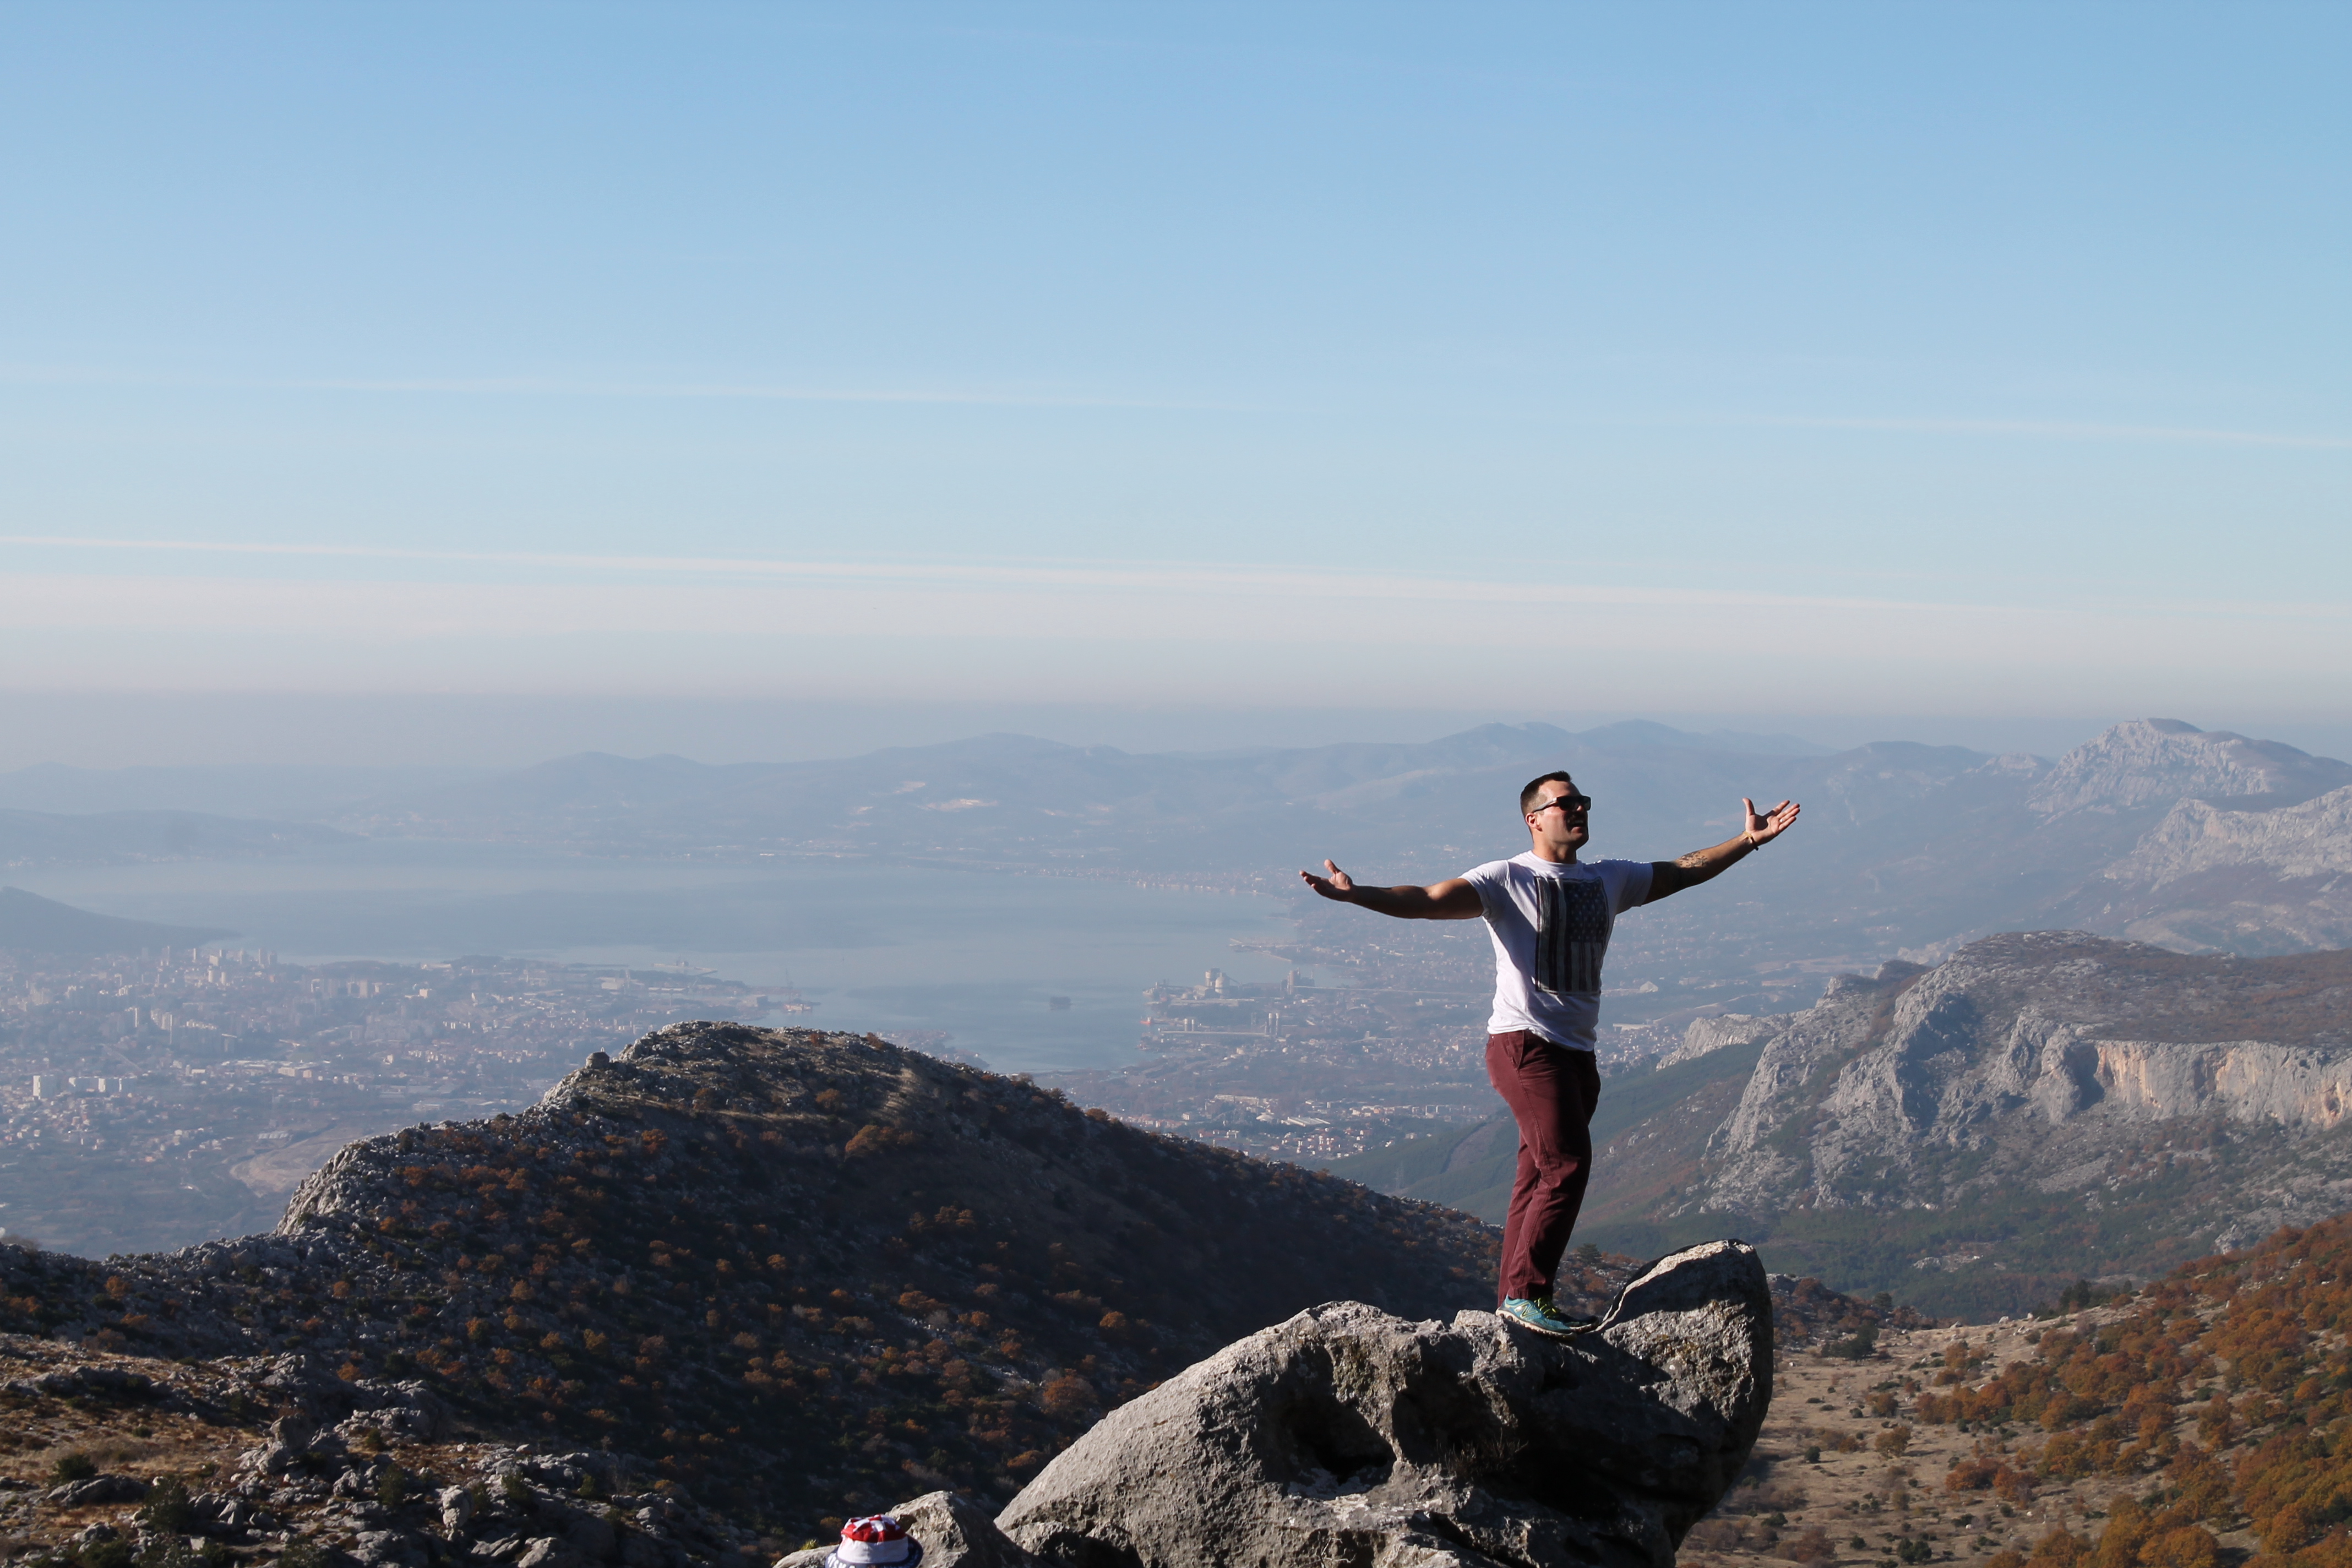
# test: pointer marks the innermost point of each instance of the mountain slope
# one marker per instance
(30, 923)
(794, 1270)
(2209, 879)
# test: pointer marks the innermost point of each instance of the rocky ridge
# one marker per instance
(1342, 1435)
(2157, 762)
(242, 1459)
(2209, 879)
(787, 1270)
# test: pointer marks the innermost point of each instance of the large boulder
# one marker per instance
(1348, 1436)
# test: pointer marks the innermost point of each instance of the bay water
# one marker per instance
(977, 956)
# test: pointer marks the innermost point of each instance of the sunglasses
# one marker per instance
(1566, 803)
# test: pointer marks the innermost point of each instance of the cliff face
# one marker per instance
(1991, 1049)
(2039, 1106)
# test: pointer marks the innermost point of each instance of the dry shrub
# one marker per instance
(1773, 1497)
(2186, 1547)
(2060, 1549)
(1067, 1395)
(1811, 1546)
(1973, 1472)
(1733, 1535)
(877, 1138)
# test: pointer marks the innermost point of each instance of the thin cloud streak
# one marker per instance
(539, 386)
(1177, 580)
(2056, 430)
(535, 387)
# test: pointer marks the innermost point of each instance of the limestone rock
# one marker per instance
(1347, 1436)
(2043, 1056)
(1707, 1036)
(2208, 879)
(2155, 761)
(390, 1549)
(97, 1489)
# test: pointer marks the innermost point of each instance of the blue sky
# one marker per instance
(1933, 360)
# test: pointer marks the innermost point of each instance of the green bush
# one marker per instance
(1861, 1347)
(73, 1466)
(166, 1509)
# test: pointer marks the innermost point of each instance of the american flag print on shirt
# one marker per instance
(1572, 933)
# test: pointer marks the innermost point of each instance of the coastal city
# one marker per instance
(157, 1098)
(154, 1099)
(1392, 1044)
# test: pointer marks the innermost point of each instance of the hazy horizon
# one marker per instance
(1221, 373)
(126, 730)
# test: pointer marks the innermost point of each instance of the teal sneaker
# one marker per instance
(1540, 1315)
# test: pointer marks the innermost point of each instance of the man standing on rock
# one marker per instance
(1550, 916)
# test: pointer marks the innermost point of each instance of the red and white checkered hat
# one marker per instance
(878, 1538)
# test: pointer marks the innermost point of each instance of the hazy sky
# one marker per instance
(1962, 359)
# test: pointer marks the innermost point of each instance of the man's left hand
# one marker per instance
(1770, 825)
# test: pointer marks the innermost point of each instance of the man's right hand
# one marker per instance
(1339, 885)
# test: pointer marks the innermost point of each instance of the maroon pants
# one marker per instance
(1551, 1092)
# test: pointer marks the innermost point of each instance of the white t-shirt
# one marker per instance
(1550, 923)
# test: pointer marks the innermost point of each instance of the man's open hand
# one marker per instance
(1337, 885)
(1771, 823)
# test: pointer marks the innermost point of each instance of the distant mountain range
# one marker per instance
(2205, 841)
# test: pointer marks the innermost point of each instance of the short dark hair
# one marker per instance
(1528, 795)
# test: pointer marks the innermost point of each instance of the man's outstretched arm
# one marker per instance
(1453, 899)
(1671, 876)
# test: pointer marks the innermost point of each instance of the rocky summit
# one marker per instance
(1349, 1435)
(787, 1275)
